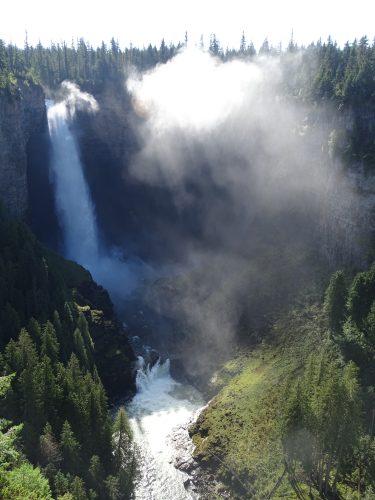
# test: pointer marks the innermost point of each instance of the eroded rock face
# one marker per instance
(20, 118)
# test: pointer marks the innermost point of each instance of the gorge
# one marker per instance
(213, 198)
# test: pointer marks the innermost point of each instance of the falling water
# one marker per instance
(73, 201)
(160, 405)
(75, 208)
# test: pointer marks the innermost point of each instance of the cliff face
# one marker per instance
(347, 225)
(20, 119)
(107, 142)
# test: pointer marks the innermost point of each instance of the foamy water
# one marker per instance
(160, 405)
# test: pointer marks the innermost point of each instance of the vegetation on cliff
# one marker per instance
(58, 335)
(295, 417)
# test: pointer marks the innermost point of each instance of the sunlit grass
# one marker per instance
(238, 436)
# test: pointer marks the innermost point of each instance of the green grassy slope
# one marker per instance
(238, 437)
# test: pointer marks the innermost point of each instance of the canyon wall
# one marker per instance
(21, 118)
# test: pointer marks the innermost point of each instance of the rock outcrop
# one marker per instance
(20, 118)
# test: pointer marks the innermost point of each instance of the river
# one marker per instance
(160, 406)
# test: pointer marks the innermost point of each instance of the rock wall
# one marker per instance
(347, 224)
(131, 215)
(20, 118)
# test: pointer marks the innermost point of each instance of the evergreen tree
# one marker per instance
(124, 455)
(50, 346)
(96, 474)
(243, 43)
(70, 449)
(335, 301)
(214, 45)
(35, 331)
(84, 329)
(265, 48)
(49, 448)
(361, 295)
(80, 348)
(370, 325)
(112, 488)
(77, 488)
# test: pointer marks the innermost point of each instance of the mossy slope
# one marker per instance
(238, 437)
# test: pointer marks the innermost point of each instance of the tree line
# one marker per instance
(325, 70)
(321, 72)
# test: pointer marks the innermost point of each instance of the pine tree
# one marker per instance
(265, 48)
(243, 43)
(49, 448)
(50, 345)
(84, 328)
(112, 488)
(124, 453)
(50, 392)
(35, 331)
(70, 448)
(95, 474)
(20, 354)
(77, 488)
(80, 348)
(335, 301)
(361, 295)
(214, 45)
(122, 436)
(61, 484)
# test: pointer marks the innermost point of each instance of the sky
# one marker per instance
(141, 22)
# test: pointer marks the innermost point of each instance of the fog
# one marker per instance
(247, 198)
(230, 118)
(248, 167)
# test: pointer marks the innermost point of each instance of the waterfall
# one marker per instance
(73, 202)
(74, 206)
(161, 406)
(146, 374)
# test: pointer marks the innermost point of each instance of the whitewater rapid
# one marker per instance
(160, 406)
